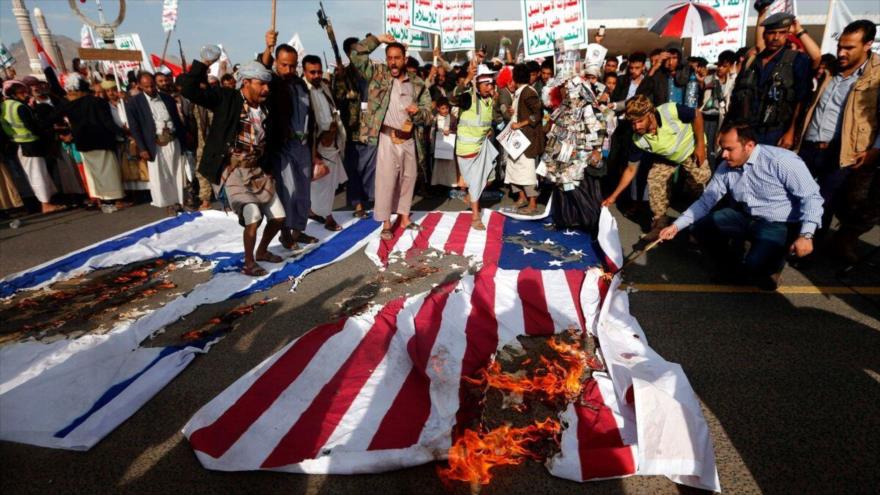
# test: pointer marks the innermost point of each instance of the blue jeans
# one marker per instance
(725, 231)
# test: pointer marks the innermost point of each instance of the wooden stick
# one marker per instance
(638, 254)
(164, 50)
(274, 9)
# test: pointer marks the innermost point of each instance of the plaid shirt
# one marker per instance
(251, 140)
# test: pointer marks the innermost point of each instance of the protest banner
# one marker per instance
(396, 15)
(546, 20)
(457, 26)
(425, 15)
(736, 14)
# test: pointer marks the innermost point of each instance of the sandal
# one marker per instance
(304, 238)
(269, 257)
(317, 218)
(525, 210)
(477, 224)
(520, 204)
(414, 226)
(332, 226)
(253, 271)
(360, 213)
(386, 235)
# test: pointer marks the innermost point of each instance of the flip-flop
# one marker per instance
(414, 226)
(360, 213)
(254, 271)
(270, 258)
(333, 226)
(386, 235)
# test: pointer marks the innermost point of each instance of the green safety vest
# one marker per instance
(474, 125)
(12, 124)
(674, 139)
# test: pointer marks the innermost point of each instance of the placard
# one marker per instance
(425, 15)
(546, 20)
(513, 141)
(735, 13)
(457, 26)
(444, 146)
(396, 14)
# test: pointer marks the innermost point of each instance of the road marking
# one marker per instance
(734, 289)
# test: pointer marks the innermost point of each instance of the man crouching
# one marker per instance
(233, 158)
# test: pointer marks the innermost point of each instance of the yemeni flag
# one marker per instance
(45, 59)
(688, 20)
(176, 70)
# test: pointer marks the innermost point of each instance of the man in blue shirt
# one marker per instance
(776, 208)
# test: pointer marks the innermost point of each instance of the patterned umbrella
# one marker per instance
(688, 19)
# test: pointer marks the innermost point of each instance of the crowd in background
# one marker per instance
(81, 140)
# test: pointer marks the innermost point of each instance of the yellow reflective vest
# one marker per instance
(674, 139)
(474, 125)
(13, 126)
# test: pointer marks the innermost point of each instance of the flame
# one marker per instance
(475, 453)
(553, 380)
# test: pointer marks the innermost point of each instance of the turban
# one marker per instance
(253, 70)
(9, 87)
(108, 84)
(72, 81)
(638, 106)
(592, 70)
(210, 52)
(504, 77)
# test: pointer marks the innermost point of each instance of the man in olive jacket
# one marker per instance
(397, 102)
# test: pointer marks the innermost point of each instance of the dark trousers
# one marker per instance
(824, 164)
(360, 167)
(769, 136)
(724, 233)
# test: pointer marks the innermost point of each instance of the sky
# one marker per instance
(240, 25)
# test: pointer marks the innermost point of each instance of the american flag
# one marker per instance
(382, 390)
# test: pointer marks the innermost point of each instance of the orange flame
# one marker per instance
(552, 380)
(475, 453)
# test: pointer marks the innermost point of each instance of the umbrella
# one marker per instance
(687, 20)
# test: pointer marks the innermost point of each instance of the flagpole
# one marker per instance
(165, 50)
(274, 9)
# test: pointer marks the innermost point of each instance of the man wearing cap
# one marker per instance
(289, 140)
(397, 102)
(22, 127)
(476, 154)
(156, 128)
(773, 85)
(234, 156)
(673, 134)
(669, 83)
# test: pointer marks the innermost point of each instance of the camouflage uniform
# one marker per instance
(660, 182)
(380, 80)
(350, 90)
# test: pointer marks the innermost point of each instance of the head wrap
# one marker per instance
(593, 70)
(210, 52)
(252, 70)
(9, 87)
(638, 106)
(72, 81)
(30, 81)
(504, 76)
(108, 84)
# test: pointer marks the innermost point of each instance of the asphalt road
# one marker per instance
(789, 381)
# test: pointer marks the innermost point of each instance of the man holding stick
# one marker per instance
(397, 102)
(288, 139)
(238, 118)
(777, 208)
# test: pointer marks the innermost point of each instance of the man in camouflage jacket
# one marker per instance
(397, 102)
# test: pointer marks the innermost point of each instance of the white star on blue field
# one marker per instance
(530, 244)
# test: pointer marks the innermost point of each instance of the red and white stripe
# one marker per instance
(448, 232)
(383, 390)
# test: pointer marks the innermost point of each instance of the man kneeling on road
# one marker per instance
(233, 158)
(776, 208)
(673, 135)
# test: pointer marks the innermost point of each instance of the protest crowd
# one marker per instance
(764, 147)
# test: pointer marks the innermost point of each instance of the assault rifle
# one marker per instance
(325, 23)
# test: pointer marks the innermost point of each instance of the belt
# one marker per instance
(818, 145)
(395, 133)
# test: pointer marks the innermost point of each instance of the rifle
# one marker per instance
(325, 23)
(182, 58)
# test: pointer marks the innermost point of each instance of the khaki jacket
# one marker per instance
(861, 113)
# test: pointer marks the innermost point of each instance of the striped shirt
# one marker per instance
(774, 185)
